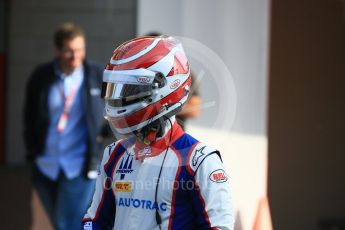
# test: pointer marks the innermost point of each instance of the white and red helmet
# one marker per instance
(147, 79)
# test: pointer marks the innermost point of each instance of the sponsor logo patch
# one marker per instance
(125, 166)
(197, 155)
(144, 151)
(140, 203)
(218, 176)
(143, 79)
(123, 186)
(175, 84)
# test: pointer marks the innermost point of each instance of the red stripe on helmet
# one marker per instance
(131, 48)
(151, 110)
(146, 60)
(171, 72)
(180, 65)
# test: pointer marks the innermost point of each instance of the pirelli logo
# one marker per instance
(123, 186)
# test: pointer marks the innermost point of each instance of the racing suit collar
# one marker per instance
(142, 150)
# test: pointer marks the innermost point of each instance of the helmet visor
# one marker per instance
(119, 94)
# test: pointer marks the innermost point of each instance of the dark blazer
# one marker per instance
(36, 115)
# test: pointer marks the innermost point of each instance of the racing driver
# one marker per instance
(155, 176)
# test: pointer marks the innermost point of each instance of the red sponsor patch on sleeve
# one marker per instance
(218, 176)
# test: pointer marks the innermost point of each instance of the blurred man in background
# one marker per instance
(63, 116)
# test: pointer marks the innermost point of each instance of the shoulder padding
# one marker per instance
(199, 153)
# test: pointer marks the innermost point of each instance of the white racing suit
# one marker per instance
(193, 190)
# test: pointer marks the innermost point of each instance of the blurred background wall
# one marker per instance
(3, 43)
(306, 114)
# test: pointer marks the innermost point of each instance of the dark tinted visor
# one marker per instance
(118, 94)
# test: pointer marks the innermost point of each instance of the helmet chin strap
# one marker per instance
(156, 129)
(151, 132)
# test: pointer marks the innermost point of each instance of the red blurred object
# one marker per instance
(263, 219)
